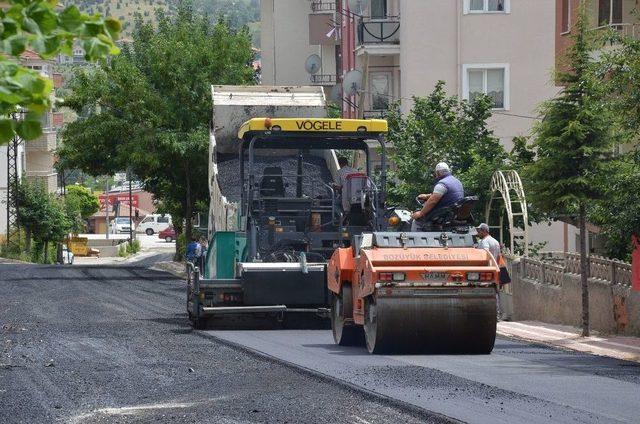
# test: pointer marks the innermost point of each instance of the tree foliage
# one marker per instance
(442, 128)
(38, 26)
(573, 140)
(149, 108)
(79, 205)
(42, 215)
(573, 143)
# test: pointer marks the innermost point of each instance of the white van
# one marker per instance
(152, 224)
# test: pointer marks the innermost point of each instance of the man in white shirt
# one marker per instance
(344, 171)
(487, 242)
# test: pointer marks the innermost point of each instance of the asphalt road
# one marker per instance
(112, 344)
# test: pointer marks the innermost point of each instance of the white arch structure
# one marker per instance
(507, 186)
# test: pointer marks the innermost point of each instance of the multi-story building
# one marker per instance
(502, 48)
(291, 32)
(39, 153)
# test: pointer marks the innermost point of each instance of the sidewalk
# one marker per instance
(626, 348)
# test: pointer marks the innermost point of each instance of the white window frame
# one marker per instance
(485, 9)
(568, 31)
(485, 66)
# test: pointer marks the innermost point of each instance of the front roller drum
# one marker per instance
(431, 323)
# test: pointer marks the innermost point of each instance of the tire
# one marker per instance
(345, 334)
(168, 239)
(149, 231)
(373, 339)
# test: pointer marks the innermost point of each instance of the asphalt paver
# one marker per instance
(519, 382)
(93, 344)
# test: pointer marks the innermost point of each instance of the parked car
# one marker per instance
(154, 223)
(121, 225)
(168, 234)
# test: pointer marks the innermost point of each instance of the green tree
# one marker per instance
(572, 143)
(43, 217)
(38, 26)
(443, 128)
(149, 108)
(618, 213)
(80, 204)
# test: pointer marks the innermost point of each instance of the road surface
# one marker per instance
(112, 344)
(517, 383)
(82, 344)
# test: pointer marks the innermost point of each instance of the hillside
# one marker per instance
(237, 12)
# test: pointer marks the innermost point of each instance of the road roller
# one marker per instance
(404, 291)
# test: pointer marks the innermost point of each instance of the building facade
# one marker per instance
(291, 32)
(35, 158)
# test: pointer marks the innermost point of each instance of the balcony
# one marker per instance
(374, 114)
(379, 36)
(323, 79)
(623, 29)
(319, 6)
(47, 142)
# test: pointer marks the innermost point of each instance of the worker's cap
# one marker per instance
(442, 167)
(483, 227)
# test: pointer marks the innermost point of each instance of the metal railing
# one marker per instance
(379, 30)
(623, 29)
(374, 114)
(323, 79)
(323, 6)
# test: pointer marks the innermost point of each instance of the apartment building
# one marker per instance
(39, 153)
(291, 32)
(34, 159)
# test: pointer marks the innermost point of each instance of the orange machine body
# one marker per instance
(421, 269)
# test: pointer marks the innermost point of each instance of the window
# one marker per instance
(380, 88)
(566, 16)
(378, 9)
(609, 12)
(163, 220)
(491, 80)
(147, 219)
(487, 6)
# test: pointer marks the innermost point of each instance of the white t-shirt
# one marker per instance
(490, 244)
(440, 189)
(344, 172)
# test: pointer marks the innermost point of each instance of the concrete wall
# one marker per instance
(561, 304)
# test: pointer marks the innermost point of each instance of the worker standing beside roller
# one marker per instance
(487, 242)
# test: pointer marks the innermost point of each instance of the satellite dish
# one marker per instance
(357, 6)
(352, 83)
(313, 64)
(336, 94)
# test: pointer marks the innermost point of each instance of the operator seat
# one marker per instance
(272, 184)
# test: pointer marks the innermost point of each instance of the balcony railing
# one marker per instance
(623, 29)
(379, 30)
(323, 79)
(374, 114)
(323, 6)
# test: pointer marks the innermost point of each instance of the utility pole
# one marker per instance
(13, 158)
(106, 207)
(130, 206)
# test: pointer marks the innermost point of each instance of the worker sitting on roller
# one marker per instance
(343, 174)
(447, 191)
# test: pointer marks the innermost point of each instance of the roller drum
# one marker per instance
(431, 321)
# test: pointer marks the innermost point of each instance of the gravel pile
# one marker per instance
(314, 170)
